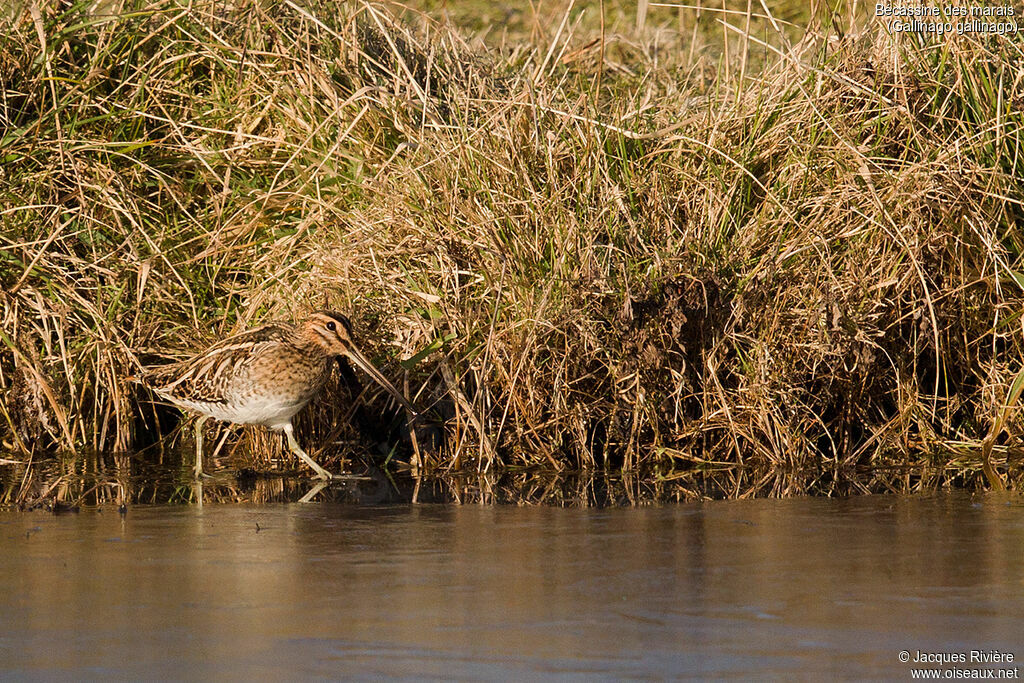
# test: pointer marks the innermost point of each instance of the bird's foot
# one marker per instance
(325, 476)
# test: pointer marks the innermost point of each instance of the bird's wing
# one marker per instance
(205, 376)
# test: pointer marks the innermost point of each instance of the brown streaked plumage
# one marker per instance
(264, 376)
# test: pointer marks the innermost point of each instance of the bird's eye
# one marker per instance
(332, 327)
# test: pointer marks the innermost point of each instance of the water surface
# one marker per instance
(760, 588)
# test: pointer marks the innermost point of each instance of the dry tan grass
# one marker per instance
(795, 266)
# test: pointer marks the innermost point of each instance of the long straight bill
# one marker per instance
(366, 366)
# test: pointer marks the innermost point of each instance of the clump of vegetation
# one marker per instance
(716, 248)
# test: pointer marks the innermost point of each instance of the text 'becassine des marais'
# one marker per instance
(884, 10)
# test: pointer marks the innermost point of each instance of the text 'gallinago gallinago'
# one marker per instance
(264, 376)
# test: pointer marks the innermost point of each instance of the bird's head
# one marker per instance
(333, 332)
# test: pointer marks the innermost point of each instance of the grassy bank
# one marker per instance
(791, 258)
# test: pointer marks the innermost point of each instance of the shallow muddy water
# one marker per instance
(759, 588)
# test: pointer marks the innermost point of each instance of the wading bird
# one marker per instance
(264, 376)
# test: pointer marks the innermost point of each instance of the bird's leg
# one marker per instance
(199, 445)
(297, 450)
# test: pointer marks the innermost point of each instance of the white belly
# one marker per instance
(256, 410)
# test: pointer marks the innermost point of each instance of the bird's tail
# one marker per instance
(147, 375)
